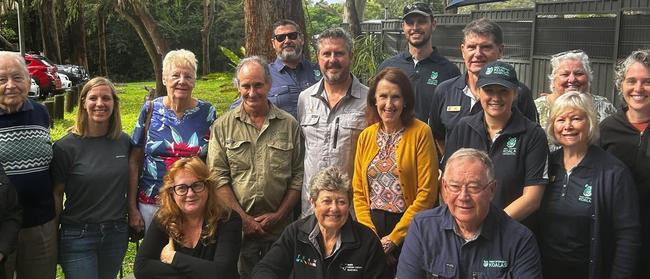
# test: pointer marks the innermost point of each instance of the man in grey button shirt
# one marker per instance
(331, 112)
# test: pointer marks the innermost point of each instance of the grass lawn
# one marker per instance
(215, 88)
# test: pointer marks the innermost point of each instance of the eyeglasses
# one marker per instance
(472, 190)
(182, 189)
(280, 37)
(419, 6)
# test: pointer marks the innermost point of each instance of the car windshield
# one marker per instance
(46, 61)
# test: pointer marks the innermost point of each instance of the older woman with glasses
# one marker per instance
(571, 71)
(589, 214)
(626, 135)
(193, 234)
(328, 243)
(169, 128)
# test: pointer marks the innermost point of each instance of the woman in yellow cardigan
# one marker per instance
(396, 166)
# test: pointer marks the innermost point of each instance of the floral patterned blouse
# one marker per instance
(168, 140)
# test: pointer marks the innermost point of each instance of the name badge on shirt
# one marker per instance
(453, 108)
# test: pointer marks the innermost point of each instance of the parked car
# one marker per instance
(77, 74)
(34, 90)
(44, 72)
(66, 83)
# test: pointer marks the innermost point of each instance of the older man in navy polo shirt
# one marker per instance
(468, 237)
(291, 73)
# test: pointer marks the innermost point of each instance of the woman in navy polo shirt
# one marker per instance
(589, 215)
(517, 146)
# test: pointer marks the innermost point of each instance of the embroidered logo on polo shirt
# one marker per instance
(586, 194)
(511, 147)
(495, 263)
(350, 267)
(317, 74)
(433, 80)
(306, 261)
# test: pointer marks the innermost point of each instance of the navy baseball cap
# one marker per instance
(498, 72)
(417, 8)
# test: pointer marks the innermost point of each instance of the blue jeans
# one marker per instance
(92, 251)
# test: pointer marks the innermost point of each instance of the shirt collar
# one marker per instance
(241, 114)
(486, 229)
(434, 57)
(27, 106)
(352, 90)
(280, 67)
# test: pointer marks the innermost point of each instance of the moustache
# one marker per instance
(333, 65)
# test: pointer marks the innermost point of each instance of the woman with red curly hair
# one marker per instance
(193, 235)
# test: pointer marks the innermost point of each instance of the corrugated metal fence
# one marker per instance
(607, 30)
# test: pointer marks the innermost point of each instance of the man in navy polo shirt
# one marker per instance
(421, 63)
(468, 237)
(458, 97)
(291, 73)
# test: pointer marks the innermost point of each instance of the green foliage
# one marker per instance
(368, 55)
(215, 88)
(322, 15)
(231, 55)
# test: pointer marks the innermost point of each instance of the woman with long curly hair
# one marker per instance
(193, 234)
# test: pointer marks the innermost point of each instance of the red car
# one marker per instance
(44, 72)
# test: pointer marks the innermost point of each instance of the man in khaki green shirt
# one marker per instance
(255, 153)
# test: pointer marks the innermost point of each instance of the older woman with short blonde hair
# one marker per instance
(589, 214)
(169, 128)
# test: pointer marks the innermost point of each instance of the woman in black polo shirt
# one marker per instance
(517, 146)
(589, 215)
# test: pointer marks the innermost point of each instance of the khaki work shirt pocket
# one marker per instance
(280, 155)
(238, 153)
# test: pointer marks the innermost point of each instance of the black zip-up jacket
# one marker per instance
(11, 217)
(359, 256)
(620, 138)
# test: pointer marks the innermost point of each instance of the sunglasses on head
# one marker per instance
(417, 6)
(559, 54)
(282, 37)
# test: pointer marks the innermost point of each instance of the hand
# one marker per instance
(267, 220)
(387, 244)
(168, 252)
(251, 227)
(135, 219)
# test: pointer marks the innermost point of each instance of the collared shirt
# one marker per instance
(287, 84)
(330, 135)
(519, 154)
(425, 75)
(168, 139)
(450, 104)
(259, 165)
(503, 249)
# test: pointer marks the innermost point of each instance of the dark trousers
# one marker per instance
(385, 222)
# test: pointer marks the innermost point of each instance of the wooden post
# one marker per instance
(69, 101)
(50, 110)
(59, 101)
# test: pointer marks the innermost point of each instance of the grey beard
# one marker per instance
(294, 56)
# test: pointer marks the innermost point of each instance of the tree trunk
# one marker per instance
(101, 41)
(208, 21)
(7, 44)
(77, 39)
(352, 18)
(49, 31)
(259, 16)
(137, 15)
